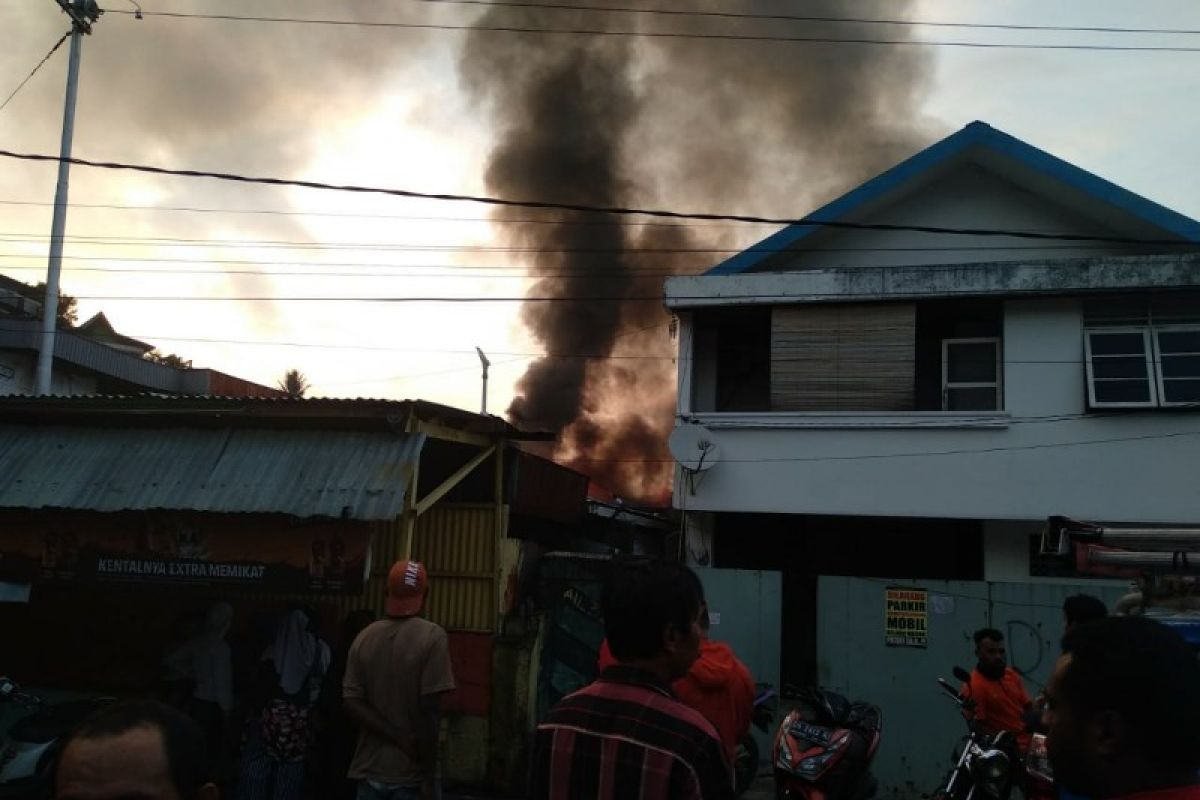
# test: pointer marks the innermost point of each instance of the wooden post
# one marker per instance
(410, 512)
(498, 530)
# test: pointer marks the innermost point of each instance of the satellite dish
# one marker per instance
(694, 447)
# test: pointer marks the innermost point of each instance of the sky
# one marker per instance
(394, 108)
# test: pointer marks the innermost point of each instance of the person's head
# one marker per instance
(989, 650)
(141, 750)
(652, 611)
(1123, 709)
(407, 587)
(1081, 608)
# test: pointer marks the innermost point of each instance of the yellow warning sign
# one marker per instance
(906, 617)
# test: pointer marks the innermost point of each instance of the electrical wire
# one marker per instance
(773, 298)
(352, 215)
(583, 207)
(622, 223)
(741, 15)
(732, 37)
(285, 244)
(33, 72)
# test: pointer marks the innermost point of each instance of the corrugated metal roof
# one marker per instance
(304, 473)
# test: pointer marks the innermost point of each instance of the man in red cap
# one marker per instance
(396, 673)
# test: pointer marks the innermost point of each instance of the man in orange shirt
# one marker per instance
(999, 696)
(718, 685)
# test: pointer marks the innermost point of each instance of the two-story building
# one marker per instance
(904, 388)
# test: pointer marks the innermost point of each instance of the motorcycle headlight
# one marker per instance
(992, 771)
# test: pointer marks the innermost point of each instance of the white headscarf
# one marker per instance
(298, 655)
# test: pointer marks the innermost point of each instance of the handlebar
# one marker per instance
(950, 690)
(965, 703)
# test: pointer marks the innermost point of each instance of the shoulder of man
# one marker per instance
(663, 703)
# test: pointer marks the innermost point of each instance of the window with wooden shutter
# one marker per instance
(843, 357)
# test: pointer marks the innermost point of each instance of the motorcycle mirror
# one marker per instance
(962, 674)
(950, 690)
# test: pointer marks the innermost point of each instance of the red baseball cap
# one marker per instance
(407, 584)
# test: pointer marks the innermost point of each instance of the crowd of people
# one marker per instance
(1121, 711)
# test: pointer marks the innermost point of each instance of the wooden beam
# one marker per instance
(428, 500)
(449, 434)
(410, 511)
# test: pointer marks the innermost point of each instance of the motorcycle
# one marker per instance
(986, 765)
(29, 749)
(746, 760)
(824, 748)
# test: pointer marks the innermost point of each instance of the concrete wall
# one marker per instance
(920, 725)
(1044, 455)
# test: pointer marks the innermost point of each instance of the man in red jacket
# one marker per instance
(718, 685)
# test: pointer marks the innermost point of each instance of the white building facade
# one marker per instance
(902, 393)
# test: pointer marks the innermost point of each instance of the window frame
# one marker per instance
(1159, 379)
(998, 384)
(1146, 332)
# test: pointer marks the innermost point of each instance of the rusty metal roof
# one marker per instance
(303, 473)
(307, 412)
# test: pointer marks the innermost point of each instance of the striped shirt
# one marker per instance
(625, 737)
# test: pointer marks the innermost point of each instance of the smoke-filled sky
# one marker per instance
(693, 124)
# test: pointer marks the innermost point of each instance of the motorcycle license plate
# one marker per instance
(813, 733)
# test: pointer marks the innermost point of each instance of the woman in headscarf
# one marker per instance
(206, 662)
(295, 663)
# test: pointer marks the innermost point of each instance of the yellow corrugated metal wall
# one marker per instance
(457, 544)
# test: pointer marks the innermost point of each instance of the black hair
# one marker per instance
(642, 599)
(1146, 673)
(988, 633)
(1081, 608)
(183, 741)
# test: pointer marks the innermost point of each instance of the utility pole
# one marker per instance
(82, 13)
(483, 360)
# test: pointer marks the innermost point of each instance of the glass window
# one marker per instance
(971, 375)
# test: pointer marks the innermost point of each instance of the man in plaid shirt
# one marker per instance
(625, 735)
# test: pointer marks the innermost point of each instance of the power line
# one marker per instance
(552, 355)
(583, 207)
(33, 72)
(394, 271)
(506, 221)
(292, 244)
(733, 37)
(352, 215)
(676, 12)
(762, 298)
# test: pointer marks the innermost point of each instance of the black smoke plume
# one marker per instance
(698, 124)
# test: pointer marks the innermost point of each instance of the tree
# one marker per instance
(294, 383)
(167, 359)
(68, 311)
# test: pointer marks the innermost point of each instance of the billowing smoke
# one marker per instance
(708, 125)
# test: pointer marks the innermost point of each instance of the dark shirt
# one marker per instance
(626, 737)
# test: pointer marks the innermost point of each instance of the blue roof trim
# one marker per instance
(977, 133)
